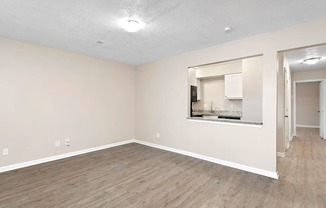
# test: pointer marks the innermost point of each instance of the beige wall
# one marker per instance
(252, 73)
(161, 99)
(49, 94)
(309, 75)
(307, 97)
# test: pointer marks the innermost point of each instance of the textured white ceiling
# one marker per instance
(171, 26)
(295, 58)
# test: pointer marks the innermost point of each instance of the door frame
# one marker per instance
(295, 100)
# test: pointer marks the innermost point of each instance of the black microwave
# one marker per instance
(193, 92)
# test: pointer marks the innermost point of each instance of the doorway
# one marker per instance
(309, 105)
(298, 67)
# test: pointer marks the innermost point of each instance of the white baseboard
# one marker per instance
(270, 174)
(308, 126)
(62, 156)
(258, 171)
(280, 154)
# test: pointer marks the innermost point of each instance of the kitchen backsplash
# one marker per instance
(223, 105)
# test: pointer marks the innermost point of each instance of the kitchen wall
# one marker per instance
(212, 93)
(252, 81)
(192, 77)
(49, 94)
(163, 85)
(307, 96)
(219, 69)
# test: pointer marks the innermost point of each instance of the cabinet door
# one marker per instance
(233, 86)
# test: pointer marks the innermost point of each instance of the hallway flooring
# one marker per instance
(303, 170)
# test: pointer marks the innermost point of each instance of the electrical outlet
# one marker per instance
(158, 135)
(57, 143)
(5, 151)
(67, 142)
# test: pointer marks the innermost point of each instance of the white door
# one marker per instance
(286, 108)
(321, 109)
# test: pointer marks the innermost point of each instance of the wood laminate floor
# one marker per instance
(134, 175)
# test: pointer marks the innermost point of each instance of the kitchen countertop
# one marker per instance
(217, 113)
(204, 115)
(226, 120)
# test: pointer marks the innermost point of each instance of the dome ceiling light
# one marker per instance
(130, 25)
(227, 29)
(311, 61)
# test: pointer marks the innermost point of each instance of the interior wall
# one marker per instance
(307, 97)
(308, 75)
(163, 85)
(219, 69)
(49, 94)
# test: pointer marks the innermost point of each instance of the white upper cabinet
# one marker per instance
(233, 86)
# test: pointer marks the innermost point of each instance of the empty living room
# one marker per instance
(150, 104)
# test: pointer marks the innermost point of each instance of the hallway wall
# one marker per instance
(307, 98)
(309, 75)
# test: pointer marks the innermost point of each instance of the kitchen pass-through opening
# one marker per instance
(229, 91)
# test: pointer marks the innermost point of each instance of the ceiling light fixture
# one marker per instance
(311, 61)
(227, 29)
(130, 25)
(99, 42)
